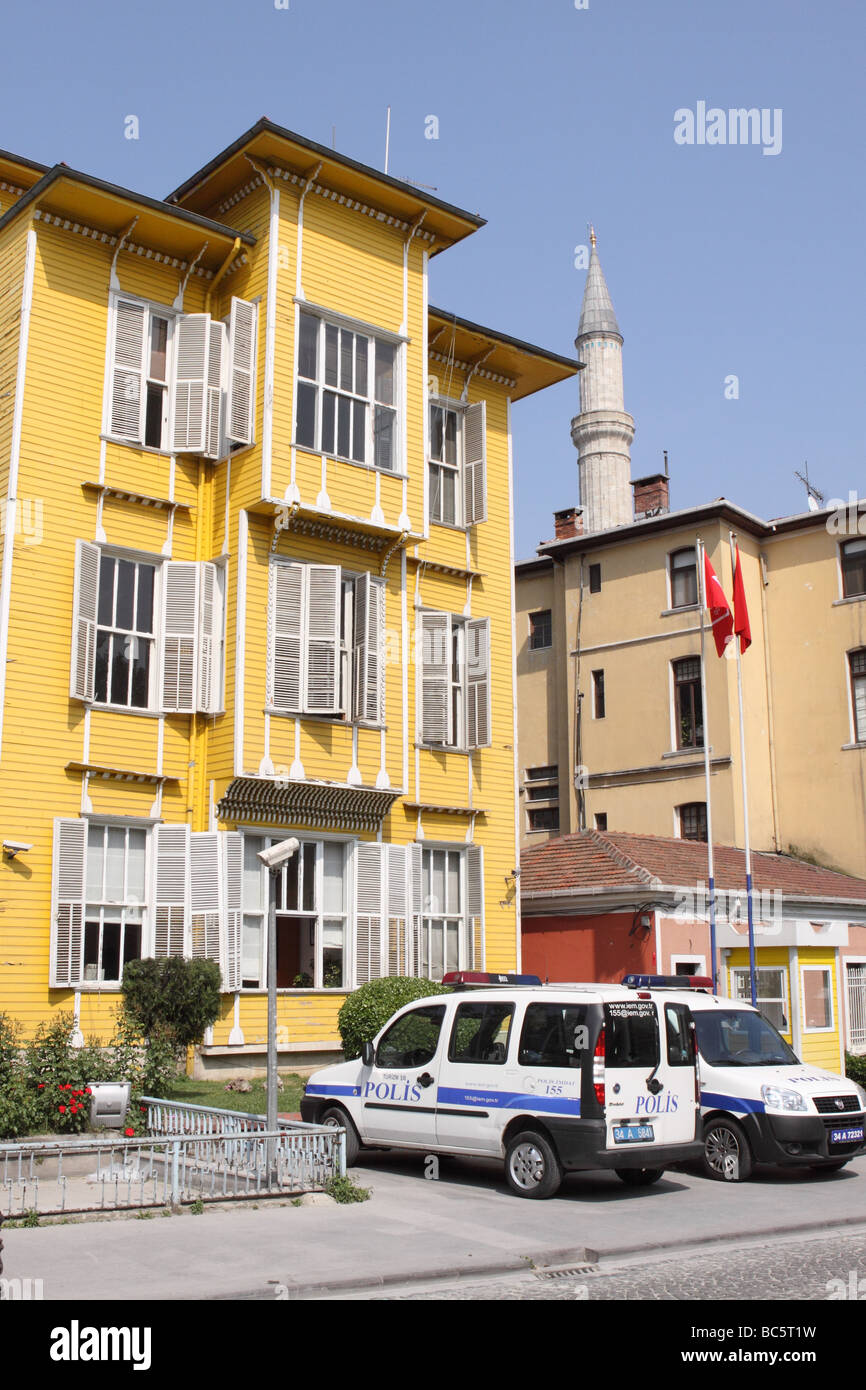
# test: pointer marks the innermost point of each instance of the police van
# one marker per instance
(551, 1079)
(759, 1102)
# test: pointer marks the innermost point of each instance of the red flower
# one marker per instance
(42, 1085)
(129, 1133)
(62, 1109)
(87, 1091)
(143, 1109)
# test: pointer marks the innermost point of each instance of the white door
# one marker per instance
(398, 1103)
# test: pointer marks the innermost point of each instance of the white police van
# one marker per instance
(759, 1102)
(550, 1078)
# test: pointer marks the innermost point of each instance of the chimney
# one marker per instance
(568, 523)
(651, 495)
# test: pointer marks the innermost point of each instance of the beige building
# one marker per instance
(611, 722)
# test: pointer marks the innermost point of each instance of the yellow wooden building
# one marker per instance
(257, 580)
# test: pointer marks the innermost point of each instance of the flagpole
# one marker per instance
(752, 965)
(710, 864)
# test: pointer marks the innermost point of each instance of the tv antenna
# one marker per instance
(815, 499)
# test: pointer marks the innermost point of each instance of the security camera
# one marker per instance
(277, 855)
(13, 847)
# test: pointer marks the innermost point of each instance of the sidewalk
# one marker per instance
(466, 1223)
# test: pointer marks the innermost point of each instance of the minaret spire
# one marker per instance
(603, 431)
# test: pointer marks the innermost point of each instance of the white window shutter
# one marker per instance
(285, 633)
(475, 904)
(416, 887)
(233, 868)
(323, 638)
(475, 463)
(68, 900)
(128, 369)
(368, 699)
(242, 372)
(368, 912)
(217, 355)
(171, 892)
(191, 353)
(210, 628)
(179, 624)
(85, 603)
(205, 895)
(478, 683)
(397, 859)
(435, 678)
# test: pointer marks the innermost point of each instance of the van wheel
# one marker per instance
(337, 1117)
(727, 1156)
(531, 1165)
(639, 1177)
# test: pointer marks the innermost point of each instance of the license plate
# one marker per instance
(632, 1134)
(847, 1136)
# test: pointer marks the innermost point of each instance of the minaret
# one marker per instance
(602, 432)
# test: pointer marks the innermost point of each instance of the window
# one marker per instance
(327, 642)
(598, 694)
(692, 819)
(688, 708)
(479, 1034)
(125, 633)
(115, 902)
(855, 988)
(857, 665)
(455, 681)
(601, 820)
(181, 382)
(139, 626)
(554, 1035)
(772, 994)
(543, 817)
(412, 1041)
(737, 1037)
(456, 468)
(683, 578)
(817, 998)
(853, 556)
(679, 1035)
(595, 579)
(310, 898)
(542, 784)
(631, 1034)
(540, 630)
(443, 921)
(347, 394)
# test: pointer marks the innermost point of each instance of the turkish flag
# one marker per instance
(720, 613)
(741, 612)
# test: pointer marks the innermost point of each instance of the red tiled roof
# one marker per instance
(616, 859)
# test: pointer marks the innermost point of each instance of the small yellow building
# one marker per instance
(257, 580)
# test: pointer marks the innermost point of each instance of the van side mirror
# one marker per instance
(367, 1054)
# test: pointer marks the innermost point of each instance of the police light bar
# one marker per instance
(461, 978)
(667, 981)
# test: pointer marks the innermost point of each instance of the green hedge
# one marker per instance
(855, 1067)
(369, 1007)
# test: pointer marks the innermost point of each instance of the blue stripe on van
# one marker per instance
(712, 1100)
(312, 1090)
(508, 1100)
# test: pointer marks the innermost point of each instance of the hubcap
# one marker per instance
(527, 1166)
(723, 1152)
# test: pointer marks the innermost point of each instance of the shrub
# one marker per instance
(369, 1007)
(180, 998)
(855, 1067)
(344, 1190)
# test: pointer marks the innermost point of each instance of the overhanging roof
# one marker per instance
(275, 146)
(265, 800)
(530, 368)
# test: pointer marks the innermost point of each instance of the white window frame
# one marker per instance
(430, 921)
(374, 335)
(153, 310)
(858, 736)
(466, 513)
(699, 962)
(829, 972)
(125, 906)
(849, 540)
(845, 962)
(458, 690)
(672, 605)
(742, 971)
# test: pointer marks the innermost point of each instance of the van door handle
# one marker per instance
(425, 1079)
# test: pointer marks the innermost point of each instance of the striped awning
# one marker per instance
(266, 800)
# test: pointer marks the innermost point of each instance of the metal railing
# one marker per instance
(193, 1158)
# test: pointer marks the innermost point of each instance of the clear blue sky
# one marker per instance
(720, 260)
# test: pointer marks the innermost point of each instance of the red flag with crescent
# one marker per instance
(722, 619)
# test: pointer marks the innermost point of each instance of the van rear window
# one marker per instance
(631, 1034)
(554, 1035)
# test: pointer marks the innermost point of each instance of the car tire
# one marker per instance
(639, 1177)
(835, 1167)
(335, 1116)
(532, 1167)
(727, 1155)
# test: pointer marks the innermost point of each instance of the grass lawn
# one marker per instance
(254, 1102)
